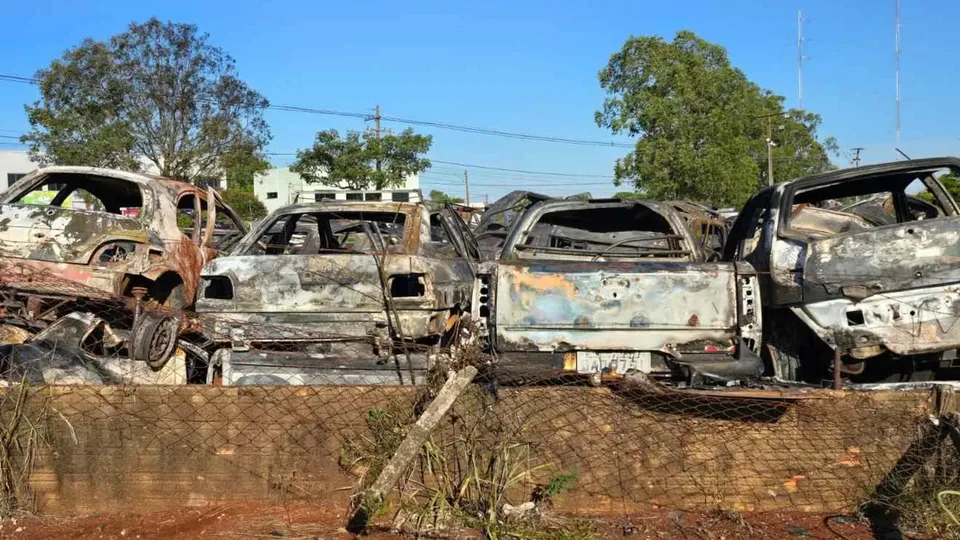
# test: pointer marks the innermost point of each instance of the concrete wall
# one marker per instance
(142, 449)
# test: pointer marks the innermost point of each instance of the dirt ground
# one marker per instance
(316, 523)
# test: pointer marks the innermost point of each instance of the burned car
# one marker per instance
(81, 239)
(605, 287)
(344, 292)
(855, 262)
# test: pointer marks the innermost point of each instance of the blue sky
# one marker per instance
(531, 67)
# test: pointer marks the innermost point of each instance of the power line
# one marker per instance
(15, 78)
(410, 121)
(503, 169)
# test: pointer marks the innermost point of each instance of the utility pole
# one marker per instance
(376, 123)
(856, 156)
(466, 187)
(770, 145)
(898, 68)
(800, 58)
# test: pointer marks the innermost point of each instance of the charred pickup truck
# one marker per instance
(864, 262)
(601, 288)
(355, 293)
(105, 241)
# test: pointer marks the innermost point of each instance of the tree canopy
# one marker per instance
(701, 125)
(362, 161)
(158, 91)
(439, 199)
(244, 203)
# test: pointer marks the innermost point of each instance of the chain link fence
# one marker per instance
(126, 403)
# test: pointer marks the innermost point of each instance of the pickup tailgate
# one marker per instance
(561, 306)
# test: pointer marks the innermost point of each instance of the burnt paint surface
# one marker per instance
(560, 306)
(50, 249)
(897, 257)
(335, 296)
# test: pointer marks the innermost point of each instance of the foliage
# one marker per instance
(438, 199)
(701, 124)
(158, 91)
(629, 195)
(360, 161)
(244, 203)
(950, 182)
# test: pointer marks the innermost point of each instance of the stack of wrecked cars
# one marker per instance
(852, 272)
(98, 264)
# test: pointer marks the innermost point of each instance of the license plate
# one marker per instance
(613, 362)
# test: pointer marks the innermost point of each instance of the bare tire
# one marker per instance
(154, 339)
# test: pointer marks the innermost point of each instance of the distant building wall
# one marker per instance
(280, 187)
(14, 165)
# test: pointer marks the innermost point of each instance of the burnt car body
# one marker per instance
(354, 292)
(877, 279)
(605, 287)
(128, 237)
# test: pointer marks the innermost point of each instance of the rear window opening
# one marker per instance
(604, 233)
(856, 205)
(84, 192)
(325, 232)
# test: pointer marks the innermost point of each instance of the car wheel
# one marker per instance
(154, 339)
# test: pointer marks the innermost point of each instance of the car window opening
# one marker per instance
(84, 192)
(619, 232)
(324, 232)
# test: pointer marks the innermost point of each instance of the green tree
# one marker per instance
(701, 124)
(629, 195)
(439, 199)
(950, 182)
(361, 161)
(244, 203)
(158, 91)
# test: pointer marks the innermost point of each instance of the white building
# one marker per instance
(280, 187)
(14, 165)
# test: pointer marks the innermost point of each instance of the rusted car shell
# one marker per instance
(50, 250)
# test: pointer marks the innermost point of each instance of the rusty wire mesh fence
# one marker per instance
(128, 402)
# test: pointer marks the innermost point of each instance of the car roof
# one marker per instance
(135, 177)
(892, 167)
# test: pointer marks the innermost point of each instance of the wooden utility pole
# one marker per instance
(466, 187)
(856, 156)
